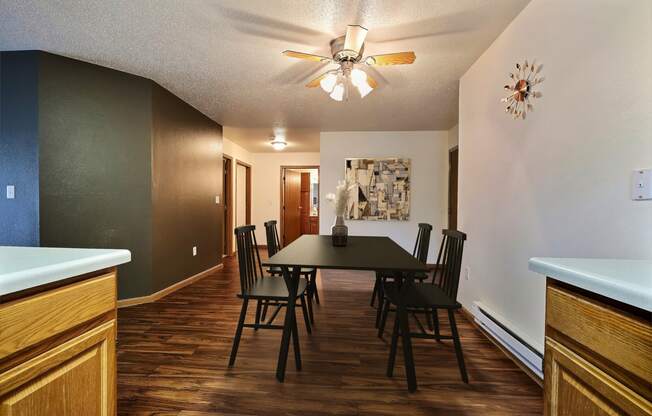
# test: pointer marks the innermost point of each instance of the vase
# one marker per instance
(339, 232)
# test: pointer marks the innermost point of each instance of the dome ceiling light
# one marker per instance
(278, 143)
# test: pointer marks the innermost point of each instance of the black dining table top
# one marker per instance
(360, 253)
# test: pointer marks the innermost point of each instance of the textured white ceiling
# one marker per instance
(224, 57)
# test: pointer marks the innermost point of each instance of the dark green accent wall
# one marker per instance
(186, 177)
(95, 158)
(19, 219)
(124, 163)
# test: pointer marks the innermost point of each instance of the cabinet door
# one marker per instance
(575, 387)
(75, 378)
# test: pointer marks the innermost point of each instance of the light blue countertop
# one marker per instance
(627, 281)
(27, 267)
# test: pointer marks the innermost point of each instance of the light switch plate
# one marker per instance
(11, 192)
(642, 184)
(217, 199)
(194, 250)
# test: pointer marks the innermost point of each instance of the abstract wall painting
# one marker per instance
(380, 189)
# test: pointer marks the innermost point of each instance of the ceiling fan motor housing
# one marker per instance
(342, 55)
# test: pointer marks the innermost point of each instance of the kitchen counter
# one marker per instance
(598, 339)
(627, 281)
(28, 267)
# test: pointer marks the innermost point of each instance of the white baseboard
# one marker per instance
(526, 351)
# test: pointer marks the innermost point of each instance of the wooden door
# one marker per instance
(75, 378)
(291, 206)
(305, 203)
(452, 188)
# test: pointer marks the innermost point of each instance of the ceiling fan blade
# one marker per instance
(399, 58)
(372, 82)
(355, 36)
(307, 56)
(315, 82)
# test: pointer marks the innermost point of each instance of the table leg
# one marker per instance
(404, 324)
(292, 282)
(407, 348)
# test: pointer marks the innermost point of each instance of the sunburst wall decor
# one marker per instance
(521, 89)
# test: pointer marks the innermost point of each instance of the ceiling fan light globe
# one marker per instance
(364, 89)
(358, 77)
(338, 92)
(328, 83)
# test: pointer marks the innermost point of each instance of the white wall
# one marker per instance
(266, 185)
(428, 151)
(236, 152)
(556, 184)
(240, 196)
(453, 136)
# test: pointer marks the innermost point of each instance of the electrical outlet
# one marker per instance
(467, 273)
(641, 184)
(194, 250)
(11, 192)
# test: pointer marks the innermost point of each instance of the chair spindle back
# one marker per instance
(248, 257)
(273, 242)
(422, 244)
(449, 262)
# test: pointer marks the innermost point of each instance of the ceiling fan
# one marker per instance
(347, 52)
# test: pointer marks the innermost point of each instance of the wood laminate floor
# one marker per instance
(173, 354)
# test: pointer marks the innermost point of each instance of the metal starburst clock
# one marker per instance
(521, 89)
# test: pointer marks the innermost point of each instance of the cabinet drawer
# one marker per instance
(575, 387)
(73, 379)
(620, 338)
(26, 322)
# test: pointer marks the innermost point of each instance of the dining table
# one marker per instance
(374, 253)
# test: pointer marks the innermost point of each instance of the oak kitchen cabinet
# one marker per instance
(598, 342)
(58, 332)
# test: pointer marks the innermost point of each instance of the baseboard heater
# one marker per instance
(498, 328)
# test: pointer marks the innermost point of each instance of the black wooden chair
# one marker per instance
(440, 293)
(268, 290)
(273, 247)
(420, 251)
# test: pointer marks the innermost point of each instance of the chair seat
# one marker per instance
(417, 276)
(272, 287)
(304, 270)
(419, 295)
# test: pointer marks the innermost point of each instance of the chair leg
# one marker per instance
(258, 311)
(295, 346)
(310, 314)
(381, 300)
(435, 322)
(428, 318)
(386, 306)
(458, 346)
(314, 286)
(306, 318)
(238, 332)
(392, 349)
(264, 313)
(374, 293)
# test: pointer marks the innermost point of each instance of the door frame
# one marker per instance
(248, 185)
(227, 197)
(454, 149)
(282, 193)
